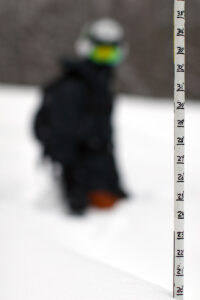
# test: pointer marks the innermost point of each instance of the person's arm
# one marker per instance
(65, 115)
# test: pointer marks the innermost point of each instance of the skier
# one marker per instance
(73, 123)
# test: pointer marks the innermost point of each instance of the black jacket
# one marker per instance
(75, 111)
(74, 125)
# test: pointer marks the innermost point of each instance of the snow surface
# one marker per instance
(45, 253)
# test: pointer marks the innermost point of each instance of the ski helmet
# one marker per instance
(102, 42)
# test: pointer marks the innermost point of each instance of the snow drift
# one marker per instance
(47, 254)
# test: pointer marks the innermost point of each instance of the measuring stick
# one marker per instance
(179, 145)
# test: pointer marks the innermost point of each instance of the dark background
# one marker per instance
(35, 33)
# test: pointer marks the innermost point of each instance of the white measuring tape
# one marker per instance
(179, 145)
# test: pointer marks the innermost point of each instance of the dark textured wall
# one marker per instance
(35, 33)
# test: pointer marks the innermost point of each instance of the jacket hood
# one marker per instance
(99, 75)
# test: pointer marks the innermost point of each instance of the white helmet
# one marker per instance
(104, 32)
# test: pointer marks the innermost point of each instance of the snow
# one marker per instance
(40, 267)
(46, 253)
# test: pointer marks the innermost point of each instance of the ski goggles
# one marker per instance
(107, 54)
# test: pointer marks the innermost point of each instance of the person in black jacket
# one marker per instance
(73, 123)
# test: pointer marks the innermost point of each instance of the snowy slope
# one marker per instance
(135, 237)
(34, 265)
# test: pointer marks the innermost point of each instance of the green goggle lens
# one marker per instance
(106, 54)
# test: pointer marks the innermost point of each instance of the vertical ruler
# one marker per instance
(179, 145)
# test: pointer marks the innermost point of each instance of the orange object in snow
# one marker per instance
(102, 199)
